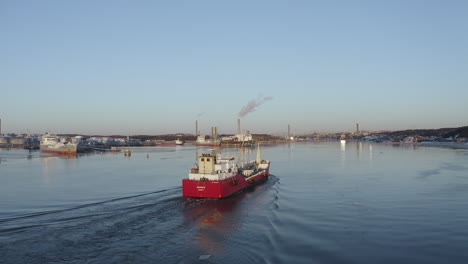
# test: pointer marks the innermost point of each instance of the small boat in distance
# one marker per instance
(221, 177)
(179, 142)
(114, 149)
(54, 144)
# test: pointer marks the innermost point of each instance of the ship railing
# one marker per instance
(211, 177)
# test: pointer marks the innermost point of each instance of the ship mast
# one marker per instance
(259, 158)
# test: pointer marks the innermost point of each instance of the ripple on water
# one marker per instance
(323, 205)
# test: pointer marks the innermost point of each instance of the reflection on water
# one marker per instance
(358, 148)
(57, 157)
(343, 153)
(216, 220)
(54, 165)
(343, 145)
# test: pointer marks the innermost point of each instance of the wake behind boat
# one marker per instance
(220, 177)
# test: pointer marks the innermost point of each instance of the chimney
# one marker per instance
(196, 127)
(238, 126)
(357, 127)
(289, 132)
(214, 133)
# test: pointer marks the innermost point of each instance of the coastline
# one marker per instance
(454, 145)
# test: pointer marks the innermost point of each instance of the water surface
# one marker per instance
(324, 203)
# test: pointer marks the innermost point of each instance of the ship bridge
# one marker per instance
(211, 167)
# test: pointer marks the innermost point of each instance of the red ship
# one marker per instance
(220, 177)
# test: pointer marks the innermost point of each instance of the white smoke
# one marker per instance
(253, 104)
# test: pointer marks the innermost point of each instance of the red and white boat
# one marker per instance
(220, 177)
(54, 144)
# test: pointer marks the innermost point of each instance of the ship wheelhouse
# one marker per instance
(48, 139)
(211, 167)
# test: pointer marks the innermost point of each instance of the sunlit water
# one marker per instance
(324, 203)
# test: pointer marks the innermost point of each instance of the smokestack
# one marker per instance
(289, 132)
(0, 126)
(214, 133)
(196, 127)
(238, 126)
(357, 127)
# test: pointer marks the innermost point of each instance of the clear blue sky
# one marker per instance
(154, 67)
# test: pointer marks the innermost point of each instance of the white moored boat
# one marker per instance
(54, 144)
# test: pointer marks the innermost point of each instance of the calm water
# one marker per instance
(325, 203)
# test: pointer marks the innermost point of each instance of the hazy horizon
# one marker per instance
(150, 67)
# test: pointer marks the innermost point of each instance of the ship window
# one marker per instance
(202, 159)
(207, 159)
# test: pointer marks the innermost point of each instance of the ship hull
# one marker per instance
(221, 188)
(67, 150)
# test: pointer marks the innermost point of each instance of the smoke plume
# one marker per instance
(253, 104)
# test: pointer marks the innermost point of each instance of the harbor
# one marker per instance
(86, 143)
(181, 132)
(457, 136)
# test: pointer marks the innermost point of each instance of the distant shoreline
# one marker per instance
(455, 145)
(440, 144)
